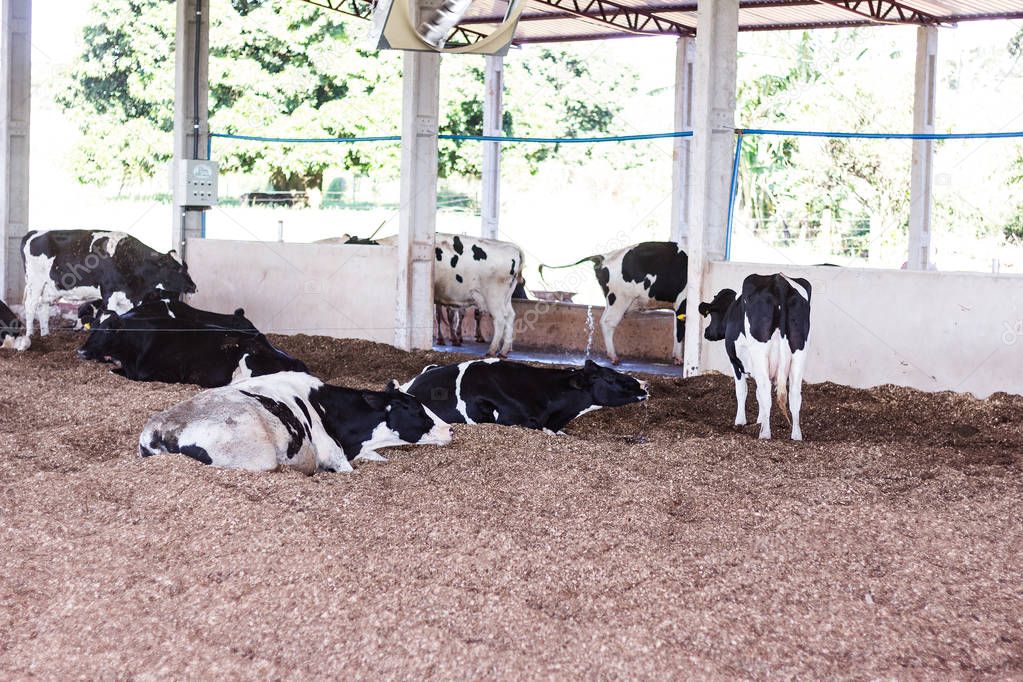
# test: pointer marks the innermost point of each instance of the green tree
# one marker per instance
(295, 70)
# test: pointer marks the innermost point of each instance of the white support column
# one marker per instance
(681, 158)
(922, 172)
(191, 124)
(713, 148)
(15, 110)
(417, 222)
(493, 84)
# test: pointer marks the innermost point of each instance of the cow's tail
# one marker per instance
(780, 375)
(596, 260)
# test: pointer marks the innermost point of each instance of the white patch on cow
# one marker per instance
(119, 303)
(798, 287)
(113, 239)
(169, 311)
(159, 286)
(591, 408)
(460, 405)
(242, 372)
(370, 456)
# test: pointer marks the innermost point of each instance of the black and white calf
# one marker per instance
(290, 419)
(496, 391)
(649, 275)
(12, 333)
(766, 330)
(173, 342)
(114, 267)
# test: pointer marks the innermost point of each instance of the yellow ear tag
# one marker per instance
(682, 317)
(87, 326)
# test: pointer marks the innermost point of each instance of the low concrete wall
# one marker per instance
(933, 331)
(340, 290)
(563, 326)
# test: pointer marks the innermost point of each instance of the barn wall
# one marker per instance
(929, 330)
(345, 291)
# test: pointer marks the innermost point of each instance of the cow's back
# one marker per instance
(468, 266)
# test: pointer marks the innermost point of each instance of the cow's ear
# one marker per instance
(590, 365)
(376, 401)
(392, 386)
(704, 309)
(174, 254)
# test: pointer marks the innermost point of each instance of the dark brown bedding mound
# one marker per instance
(652, 540)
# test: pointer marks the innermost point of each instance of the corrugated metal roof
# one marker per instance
(547, 21)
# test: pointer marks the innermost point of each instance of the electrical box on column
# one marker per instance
(195, 183)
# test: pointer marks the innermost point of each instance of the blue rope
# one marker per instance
(880, 136)
(731, 194)
(476, 138)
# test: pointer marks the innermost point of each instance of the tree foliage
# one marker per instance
(289, 69)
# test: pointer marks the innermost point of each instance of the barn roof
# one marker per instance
(555, 21)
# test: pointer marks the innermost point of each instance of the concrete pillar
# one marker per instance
(191, 107)
(418, 213)
(922, 171)
(681, 157)
(712, 148)
(493, 85)
(15, 110)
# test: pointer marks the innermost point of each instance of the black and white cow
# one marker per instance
(648, 275)
(480, 272)
(453, 318)
(766, 330)
(496, 391)
(290, 419)
(12, 332)
(83, 264)
(173, 342)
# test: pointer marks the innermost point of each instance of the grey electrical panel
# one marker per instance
(196, 182)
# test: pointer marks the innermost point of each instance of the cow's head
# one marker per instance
(166, 272)
(262, 357)
(717, 310)
(608, 387)
(407, 419)
(104, 340)
(92, 313)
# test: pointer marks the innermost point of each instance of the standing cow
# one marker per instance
(649, 275)
(480, 272)
(766, 331)
(114, 267)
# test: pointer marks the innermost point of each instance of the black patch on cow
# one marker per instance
(459, 279)
(603, 277)
(611, 298)
(457, 243)
(440, 254)
(478, 253)
(278, 409)
(308, 419)
(660, 266)
(197, 453)
(454, 261)
(513, 267)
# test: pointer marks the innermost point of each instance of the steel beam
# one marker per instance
(15, 116)
(191, 109)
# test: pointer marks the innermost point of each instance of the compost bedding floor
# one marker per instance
(651, 541)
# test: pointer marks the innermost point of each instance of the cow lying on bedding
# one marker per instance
(514, 394)
(290, 419)
(173, 342)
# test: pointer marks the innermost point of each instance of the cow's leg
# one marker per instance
(503, 315)
(761, 373)
(796, 391)
(439, 316)
(455, 325)
(609, 320)
(478, 314)
(741, 390)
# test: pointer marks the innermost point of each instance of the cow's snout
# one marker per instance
(440, 434)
